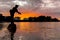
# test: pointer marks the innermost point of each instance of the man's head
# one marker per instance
(16, 6)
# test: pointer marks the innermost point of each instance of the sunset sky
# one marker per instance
(32, 7)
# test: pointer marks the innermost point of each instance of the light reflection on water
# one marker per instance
(33, 31)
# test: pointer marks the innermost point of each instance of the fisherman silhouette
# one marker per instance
(12, 29)
(13, 10)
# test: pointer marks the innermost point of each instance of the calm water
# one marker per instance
(32, 31)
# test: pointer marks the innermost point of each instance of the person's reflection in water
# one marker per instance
(12, 29)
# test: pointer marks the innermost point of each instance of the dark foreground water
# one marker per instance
(32, 31)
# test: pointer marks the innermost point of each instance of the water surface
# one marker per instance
(32, 31)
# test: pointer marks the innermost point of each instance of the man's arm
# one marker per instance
(18, 12)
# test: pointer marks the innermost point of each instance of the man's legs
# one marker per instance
(12, 36)
(12, 17)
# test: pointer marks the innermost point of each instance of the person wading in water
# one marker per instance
(12, 27)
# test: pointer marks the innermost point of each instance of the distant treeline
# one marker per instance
(41, 19)
(30, 19)
(8, 18)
